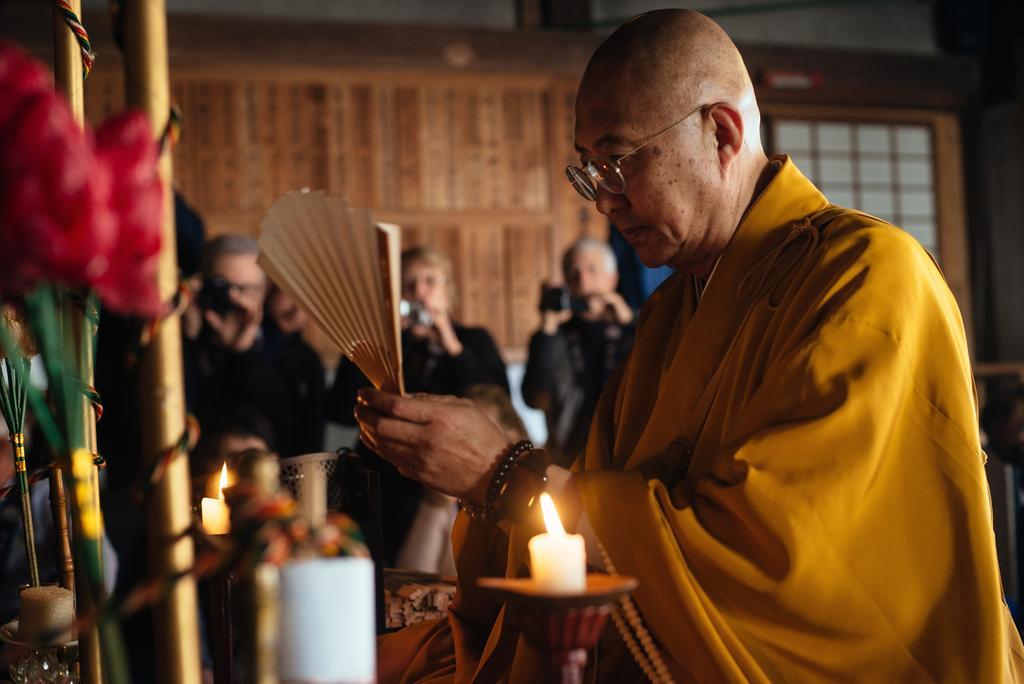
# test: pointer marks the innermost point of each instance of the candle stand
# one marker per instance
(221, 636)
(561, 627)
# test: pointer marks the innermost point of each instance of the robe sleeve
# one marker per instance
(841, 532)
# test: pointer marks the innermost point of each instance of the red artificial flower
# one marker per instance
(72, 211)
(22, 76)
(54, 198)
(125, 146)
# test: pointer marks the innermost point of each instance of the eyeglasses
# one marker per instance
(605, 171)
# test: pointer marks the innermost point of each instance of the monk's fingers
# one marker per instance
(382, 426)
(413, 409)
(449, 399)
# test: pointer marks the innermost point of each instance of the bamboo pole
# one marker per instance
(67, 63)
(163, 396)
(89, 654)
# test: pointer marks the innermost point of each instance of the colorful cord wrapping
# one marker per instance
(81, 35)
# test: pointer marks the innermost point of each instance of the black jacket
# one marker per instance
(565, 374)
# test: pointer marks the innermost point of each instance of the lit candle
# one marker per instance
(216, 514)
(558, 561)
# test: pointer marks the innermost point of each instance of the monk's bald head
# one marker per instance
(666, 62)
(668, 132)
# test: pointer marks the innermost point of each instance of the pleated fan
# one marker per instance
(343, 270)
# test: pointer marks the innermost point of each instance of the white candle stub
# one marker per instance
(216, 514)
(558, 561)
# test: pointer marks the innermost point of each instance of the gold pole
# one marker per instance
(67, 61)
(67, 67)
(163, 395)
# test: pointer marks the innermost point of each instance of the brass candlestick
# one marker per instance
(260, 590)
(221, 632)
(562, 627)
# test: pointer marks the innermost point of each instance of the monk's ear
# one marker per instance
(728, 132)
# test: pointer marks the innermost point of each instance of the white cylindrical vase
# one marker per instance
(327, 621)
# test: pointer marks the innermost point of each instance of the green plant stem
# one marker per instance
(44, 417)
(13, 382)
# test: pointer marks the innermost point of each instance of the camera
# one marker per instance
(559, 298)
(215, 295)
(415, 312)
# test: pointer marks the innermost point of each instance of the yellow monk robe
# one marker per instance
(831, 521)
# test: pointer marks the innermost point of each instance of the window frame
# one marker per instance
(947, 154)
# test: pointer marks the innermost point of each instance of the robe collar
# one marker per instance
(748, 269)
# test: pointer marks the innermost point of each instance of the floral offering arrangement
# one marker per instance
(81, 215)
(271, 530)
(80, 225)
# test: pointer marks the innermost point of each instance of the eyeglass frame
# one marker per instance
(589, 172)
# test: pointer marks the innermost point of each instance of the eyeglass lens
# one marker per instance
(599, 171)
(582, 182)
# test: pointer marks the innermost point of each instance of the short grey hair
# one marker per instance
(226, 245)
(611, 265)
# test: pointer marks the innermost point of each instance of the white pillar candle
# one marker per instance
(327, 621)
(216, 514)
(558, 561)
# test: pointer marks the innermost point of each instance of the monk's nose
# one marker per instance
(607, 202)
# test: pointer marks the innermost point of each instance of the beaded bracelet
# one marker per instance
(488, 509)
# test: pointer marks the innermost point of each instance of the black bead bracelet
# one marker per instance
(488, 509)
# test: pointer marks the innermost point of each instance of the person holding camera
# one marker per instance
(439, 356)
(586, 332)
(228, 362)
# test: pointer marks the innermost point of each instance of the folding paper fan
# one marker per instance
(343, 270)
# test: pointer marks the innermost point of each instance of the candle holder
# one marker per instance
(562, 627)
(221, 633)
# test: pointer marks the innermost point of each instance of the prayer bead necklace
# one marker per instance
(645, 653)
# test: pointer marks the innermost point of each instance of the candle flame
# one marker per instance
(223, 481)
(551, 519)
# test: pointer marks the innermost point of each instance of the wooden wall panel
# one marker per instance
(408, 136)
(183, 157)
(438, 142)
(362, 139)
(527, 267)
(337, 151)
(469, 164)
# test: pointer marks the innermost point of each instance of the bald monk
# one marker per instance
(788, 461)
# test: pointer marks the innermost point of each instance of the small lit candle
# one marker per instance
(216, 514)
(558, 561)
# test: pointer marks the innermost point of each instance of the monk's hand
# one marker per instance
(446, 443)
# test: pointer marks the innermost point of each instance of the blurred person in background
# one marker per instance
(283, 329)
(439, 356)
(227, 359)
(586, 332)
